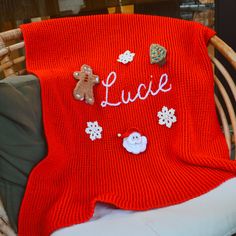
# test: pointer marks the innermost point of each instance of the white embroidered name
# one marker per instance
(111, 79)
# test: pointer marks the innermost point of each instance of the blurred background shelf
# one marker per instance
(14, 12)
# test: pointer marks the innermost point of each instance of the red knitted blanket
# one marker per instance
(151, 138)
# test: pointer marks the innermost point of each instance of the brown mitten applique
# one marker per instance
(84, 87)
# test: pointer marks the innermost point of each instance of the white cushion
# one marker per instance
(211, 214)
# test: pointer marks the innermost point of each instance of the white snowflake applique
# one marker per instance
(94, 130)
(166, 116)
(126, 57)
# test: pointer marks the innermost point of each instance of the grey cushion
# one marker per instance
(22, 143)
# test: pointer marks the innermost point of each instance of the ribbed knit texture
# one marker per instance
(180, 163)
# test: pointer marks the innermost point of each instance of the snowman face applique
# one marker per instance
(134, 138)
(135, 143)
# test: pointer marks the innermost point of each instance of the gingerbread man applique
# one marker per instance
(84, 87)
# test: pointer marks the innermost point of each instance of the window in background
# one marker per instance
(15, 12)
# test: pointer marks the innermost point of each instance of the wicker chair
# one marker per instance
(8, 66)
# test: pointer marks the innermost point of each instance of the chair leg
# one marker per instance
(5, 228)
